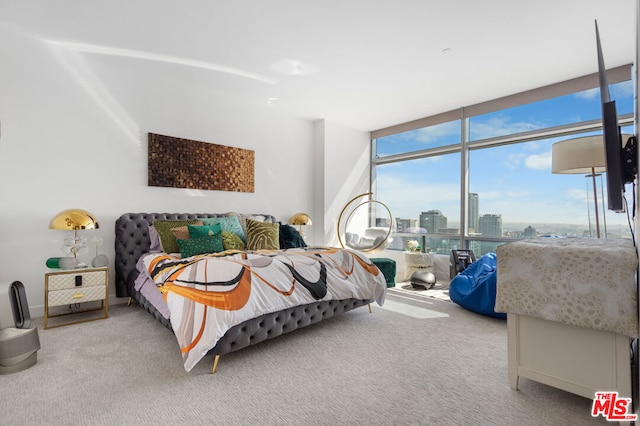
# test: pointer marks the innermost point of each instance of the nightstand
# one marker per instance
(77, 293)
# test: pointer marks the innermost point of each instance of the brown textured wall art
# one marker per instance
(184, 163)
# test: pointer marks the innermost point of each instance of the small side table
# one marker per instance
(417, 261)
(76, 287)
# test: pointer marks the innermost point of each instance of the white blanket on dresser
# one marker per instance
(208, 294)
(576, 281)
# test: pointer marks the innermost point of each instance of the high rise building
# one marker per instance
(433, 221)
(403, 225)
(473, 209)
(490, 225)
(382, 222)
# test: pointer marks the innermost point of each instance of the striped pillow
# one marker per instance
(262, 235)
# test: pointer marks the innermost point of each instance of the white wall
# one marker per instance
(343, 160)
(67, 141)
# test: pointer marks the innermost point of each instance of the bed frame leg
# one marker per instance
(129, 302)
(215, 364)
(369, 306)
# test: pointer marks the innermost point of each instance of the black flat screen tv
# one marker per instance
(620, 161)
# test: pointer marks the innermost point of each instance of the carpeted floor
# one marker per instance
(416, 361)
(439, 291)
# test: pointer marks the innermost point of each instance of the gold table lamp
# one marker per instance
(73, 220)
(300, 220)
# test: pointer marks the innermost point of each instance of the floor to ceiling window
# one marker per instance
(480, 176)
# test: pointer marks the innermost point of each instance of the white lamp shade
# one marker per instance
(580, 155)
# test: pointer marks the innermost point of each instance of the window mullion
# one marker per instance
(464, 176)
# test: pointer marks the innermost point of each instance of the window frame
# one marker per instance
(587, 82)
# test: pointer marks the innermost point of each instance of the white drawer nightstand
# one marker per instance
(76, 291)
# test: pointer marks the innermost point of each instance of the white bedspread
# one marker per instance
(576, 281)
(208, 294)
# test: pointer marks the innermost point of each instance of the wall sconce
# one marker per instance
(73, 220)
(300, 220)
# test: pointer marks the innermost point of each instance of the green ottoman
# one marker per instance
(388, 268)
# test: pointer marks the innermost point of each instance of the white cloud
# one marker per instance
(618, 90)
(407, 198)
(518, 194)
(489, 195)
(577, 194)
(539, 161)
(589, 94)
(434, 135)
(622, 90)
(500, 124)
(513, 160)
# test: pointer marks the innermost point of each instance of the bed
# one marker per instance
(222, 301)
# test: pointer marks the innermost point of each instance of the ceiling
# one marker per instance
(367, 64)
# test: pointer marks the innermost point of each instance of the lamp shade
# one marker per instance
(73, 220)
(580, 155)
(300, 219)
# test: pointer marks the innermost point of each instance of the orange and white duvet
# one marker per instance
(210, 293)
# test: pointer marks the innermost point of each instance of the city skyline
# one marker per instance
(491, 225)
(512, 180)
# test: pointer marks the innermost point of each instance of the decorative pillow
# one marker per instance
(290, 237)
(231, 241)
(201, 245)
(203, 231)
(242, 218)
(262, 235)
(181, 232)
(154, 240)
(167, 239)
(227, 223)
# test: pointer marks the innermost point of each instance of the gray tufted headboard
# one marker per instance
(132, 240)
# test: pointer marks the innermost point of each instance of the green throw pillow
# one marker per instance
(262, 235)
(167, 239)
(227, 223)
(231, 241)
(203, 231)
(201, 245)
(242, 218)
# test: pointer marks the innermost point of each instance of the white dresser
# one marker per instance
(572, 311)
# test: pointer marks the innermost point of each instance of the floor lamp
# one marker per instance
(583, 155)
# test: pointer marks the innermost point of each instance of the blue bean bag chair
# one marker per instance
(475, 287)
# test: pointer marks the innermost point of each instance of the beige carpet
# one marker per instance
(417, 361)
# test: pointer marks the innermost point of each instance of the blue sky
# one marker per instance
(514, 180)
